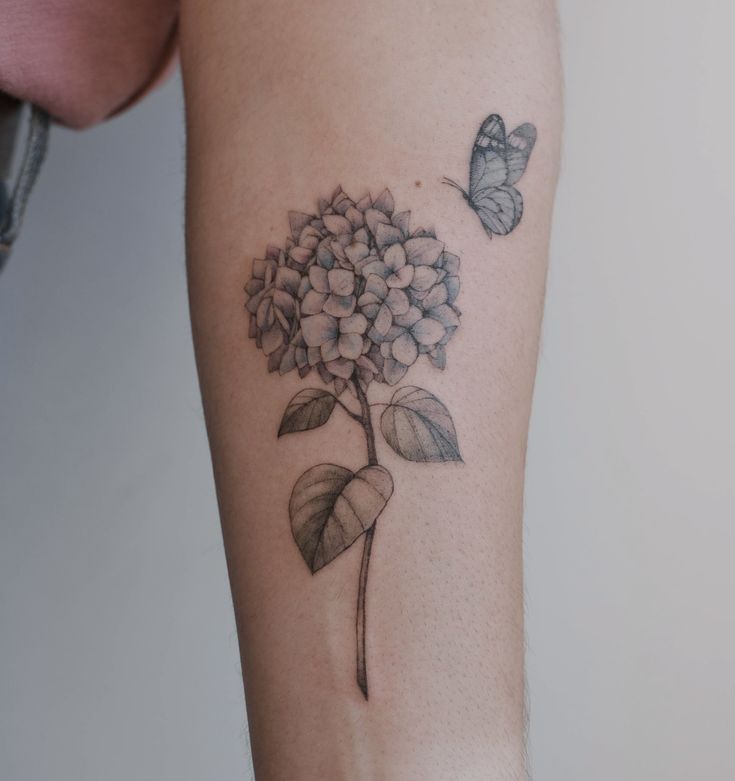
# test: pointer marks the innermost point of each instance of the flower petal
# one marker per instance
(309, 238)
(376, 268)
(423, 251)
(370, 310)
(340, 306)
(395, 257)
(288, 361)
(300, 357)
(287, 279)
(354, 324)
(284, 302)
(318, 279)
(445, 315)
(404, 349)
(366, 363)
(253, 304)
(376, 285)
(403, 277)
(275, 358)
(259, 268)
(350, 346)
(357, 252)
(450, 263)
(304, 287)
(424, 278)
(342, 367)
(436, 296)
(341, 281)
(373, 218)
(330, 350)
(375, 336)
(368, 299)
(341, 202)
(340, 386)
(398, 302)
(337, 224)
(300, 255)
(265, 314)
(438, 357)
(313, 303)
(428, 331)
(338, 250)
(355, 217)
(324, 253)
(384, 202)
(402, 220)
(282, 319)
(383, 320)
(386, 234)
(393, 371)
(394, 332)
(452, 285)
(272, 339)
(410, 318)
(317, 329)
(297, 222)
(254, 286)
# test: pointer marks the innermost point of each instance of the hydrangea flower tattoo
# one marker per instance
(358, 298)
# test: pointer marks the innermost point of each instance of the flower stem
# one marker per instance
(352, 414)
(361, 618)
(367, 424)
(361, 621)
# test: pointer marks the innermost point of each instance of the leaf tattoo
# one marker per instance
(358, 297)
(418, 427)
(497, 163)
(331, 507)
(308, 409)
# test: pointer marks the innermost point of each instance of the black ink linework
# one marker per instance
(497, 163)
(358, 297)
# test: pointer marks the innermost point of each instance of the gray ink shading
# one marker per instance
(357, 298)
(419, 427)
(332, 506)
(497, 163)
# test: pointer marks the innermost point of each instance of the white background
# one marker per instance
(118, 654)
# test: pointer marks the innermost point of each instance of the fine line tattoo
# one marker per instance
(358, 297)
(497, 163)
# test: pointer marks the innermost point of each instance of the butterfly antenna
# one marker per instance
(452, 183)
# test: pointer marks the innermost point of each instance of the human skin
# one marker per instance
(284, 102)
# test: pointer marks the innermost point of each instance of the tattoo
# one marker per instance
(359, 298)
(497, 163)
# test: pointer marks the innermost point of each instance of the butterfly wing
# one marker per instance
(498, 162)
(519, 146)
(488, 164)
(499, 208)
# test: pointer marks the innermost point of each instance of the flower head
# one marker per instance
(354, 293)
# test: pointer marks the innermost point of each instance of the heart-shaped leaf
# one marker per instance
(332, 506)
(419, 427)
(309, 408)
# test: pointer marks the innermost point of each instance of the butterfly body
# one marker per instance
(497, 163)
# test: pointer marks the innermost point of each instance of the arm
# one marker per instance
(374, 547)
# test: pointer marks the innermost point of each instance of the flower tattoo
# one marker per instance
(358, 297)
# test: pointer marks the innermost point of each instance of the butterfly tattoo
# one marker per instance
(497, 163)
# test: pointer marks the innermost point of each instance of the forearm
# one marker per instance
(286, 101)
